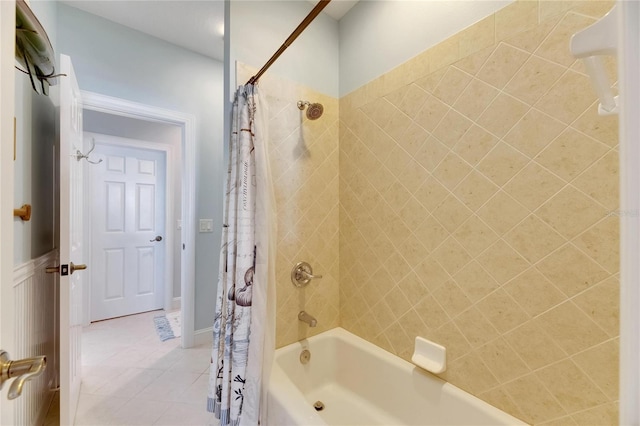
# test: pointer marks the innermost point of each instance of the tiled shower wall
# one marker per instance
(478, 208)
(304, 165)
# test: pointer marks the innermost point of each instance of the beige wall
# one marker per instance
(476, 190)
(304, 166)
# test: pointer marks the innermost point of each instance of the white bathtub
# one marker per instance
(361, 384)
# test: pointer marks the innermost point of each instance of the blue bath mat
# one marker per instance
(163, 328)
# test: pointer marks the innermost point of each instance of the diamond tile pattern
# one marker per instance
(478, 209)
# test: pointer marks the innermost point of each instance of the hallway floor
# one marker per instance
(130, 377)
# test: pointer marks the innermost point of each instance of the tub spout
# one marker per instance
(305, 317)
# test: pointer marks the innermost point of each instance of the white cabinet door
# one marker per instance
(71, 241)
(128, 231)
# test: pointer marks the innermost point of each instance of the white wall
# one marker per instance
(258, 29)
(117, 61)
(377, 36)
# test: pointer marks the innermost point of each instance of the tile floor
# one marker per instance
(130, 377)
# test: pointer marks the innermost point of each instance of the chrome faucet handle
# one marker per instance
(22, 370)
(302, 274)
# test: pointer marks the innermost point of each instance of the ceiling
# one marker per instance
(195, 25)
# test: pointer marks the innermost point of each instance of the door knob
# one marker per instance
(73, 268)
(157, 238)
(62, 269)
(22, 370)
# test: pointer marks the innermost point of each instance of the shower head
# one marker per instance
(314, 111)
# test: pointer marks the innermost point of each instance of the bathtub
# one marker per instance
(361, 384)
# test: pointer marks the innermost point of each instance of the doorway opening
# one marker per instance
(177, 130)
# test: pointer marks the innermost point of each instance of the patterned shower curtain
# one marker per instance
(244, 325)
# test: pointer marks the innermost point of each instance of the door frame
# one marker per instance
(170, 219)
(7, 138)
(187, 122)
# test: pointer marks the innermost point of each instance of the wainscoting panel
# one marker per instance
(36, 332)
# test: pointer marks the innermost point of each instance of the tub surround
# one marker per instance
(304, 164)
(478, 208)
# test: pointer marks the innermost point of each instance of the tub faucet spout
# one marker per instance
(305, 317)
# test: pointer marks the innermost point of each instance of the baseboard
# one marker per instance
(203, 336)
(175, 303)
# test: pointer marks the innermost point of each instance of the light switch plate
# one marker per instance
(179, 225)
(206, 225)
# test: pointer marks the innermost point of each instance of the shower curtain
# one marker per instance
(244, 324)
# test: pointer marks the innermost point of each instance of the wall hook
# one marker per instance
(79, 155)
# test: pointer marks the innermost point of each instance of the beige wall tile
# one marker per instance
(602, 304)
(534, 292)
(452, 127)
(600, 364)
(534, 132)
(475, 281)
(602, 128)
(570, 328)
(570, 386)
(570, 212)
(600, 242)
(502, 65)
(476, 98)
(502, 261)
(448, 232)
(470, 373)
(475, 236)
(452, 299)
(601, 181)
(534, 79)
(475, 327)
(475, 190)
(475, 144)
(451, 338)
(502, 212)
(502, 361)
(554, 47)
(535, 402)
(517, 17)
(530, 40)
(533, 186)
(451, 213)
(502, 311)
(431, 313)
(431, 113)
(451, 85)
(503, 113)
(568, 98)
(444, 53)
(606, 414)
(570, 153)
(478, 36)
(571, 270)
(451, 170)
(533, 239)
(534, 346)
(502, 163)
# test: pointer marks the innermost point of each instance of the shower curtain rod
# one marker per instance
(305, 22)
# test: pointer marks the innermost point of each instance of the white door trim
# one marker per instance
(170, 220)
(110, 105)
(7, 111)
(628, 69)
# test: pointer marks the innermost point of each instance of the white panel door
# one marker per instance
(71, 239)
(128, 231)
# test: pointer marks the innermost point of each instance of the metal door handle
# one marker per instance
(73, 268)
(22, 370)
(157, 238)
